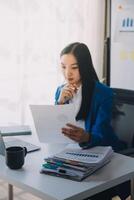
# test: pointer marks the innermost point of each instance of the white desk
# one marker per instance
(120, 169)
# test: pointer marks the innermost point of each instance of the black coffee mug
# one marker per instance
(15, 156)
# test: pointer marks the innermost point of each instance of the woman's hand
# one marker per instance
(76, 133)
(67, 93)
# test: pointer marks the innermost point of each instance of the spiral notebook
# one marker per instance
(92, 156)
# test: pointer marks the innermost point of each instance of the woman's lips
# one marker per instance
(70, 79)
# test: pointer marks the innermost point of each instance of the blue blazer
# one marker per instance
(98, 122)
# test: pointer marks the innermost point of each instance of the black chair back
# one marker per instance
(123, 115)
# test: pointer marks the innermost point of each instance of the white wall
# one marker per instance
(33, 32)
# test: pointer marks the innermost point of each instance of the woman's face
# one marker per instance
(70, 69)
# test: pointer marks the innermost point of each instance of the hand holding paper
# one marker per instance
(75, 133)
(50, 119)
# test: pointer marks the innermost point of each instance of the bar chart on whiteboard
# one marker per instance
(122, 44)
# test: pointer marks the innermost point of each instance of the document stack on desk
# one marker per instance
(77, 164)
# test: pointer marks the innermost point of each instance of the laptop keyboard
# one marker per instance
(30, 147)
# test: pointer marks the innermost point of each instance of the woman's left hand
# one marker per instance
(75, 133)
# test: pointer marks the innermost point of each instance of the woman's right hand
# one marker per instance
(67, 93)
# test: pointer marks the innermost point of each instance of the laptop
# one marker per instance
(16, 142)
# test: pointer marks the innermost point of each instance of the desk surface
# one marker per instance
(120, 169)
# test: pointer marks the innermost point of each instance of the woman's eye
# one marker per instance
(76, 67)
(63, 67)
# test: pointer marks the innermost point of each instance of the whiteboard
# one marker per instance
(122, 44)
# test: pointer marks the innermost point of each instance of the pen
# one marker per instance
(63, 171)
(66, 172)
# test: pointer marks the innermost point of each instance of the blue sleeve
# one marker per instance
(101, 126)
(57, 94)
(101, 131)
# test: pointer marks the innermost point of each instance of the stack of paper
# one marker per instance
(77, 164)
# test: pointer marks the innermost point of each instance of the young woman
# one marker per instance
(93, 103)
(93, 100)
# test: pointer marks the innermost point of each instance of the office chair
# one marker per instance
(123, 118)
(123, 121)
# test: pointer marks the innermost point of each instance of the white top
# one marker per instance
(76, 101)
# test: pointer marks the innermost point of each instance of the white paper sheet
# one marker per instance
(49, 119)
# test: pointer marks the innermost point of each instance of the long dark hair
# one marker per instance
(87, 73)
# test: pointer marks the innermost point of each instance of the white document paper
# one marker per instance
(49, 119)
